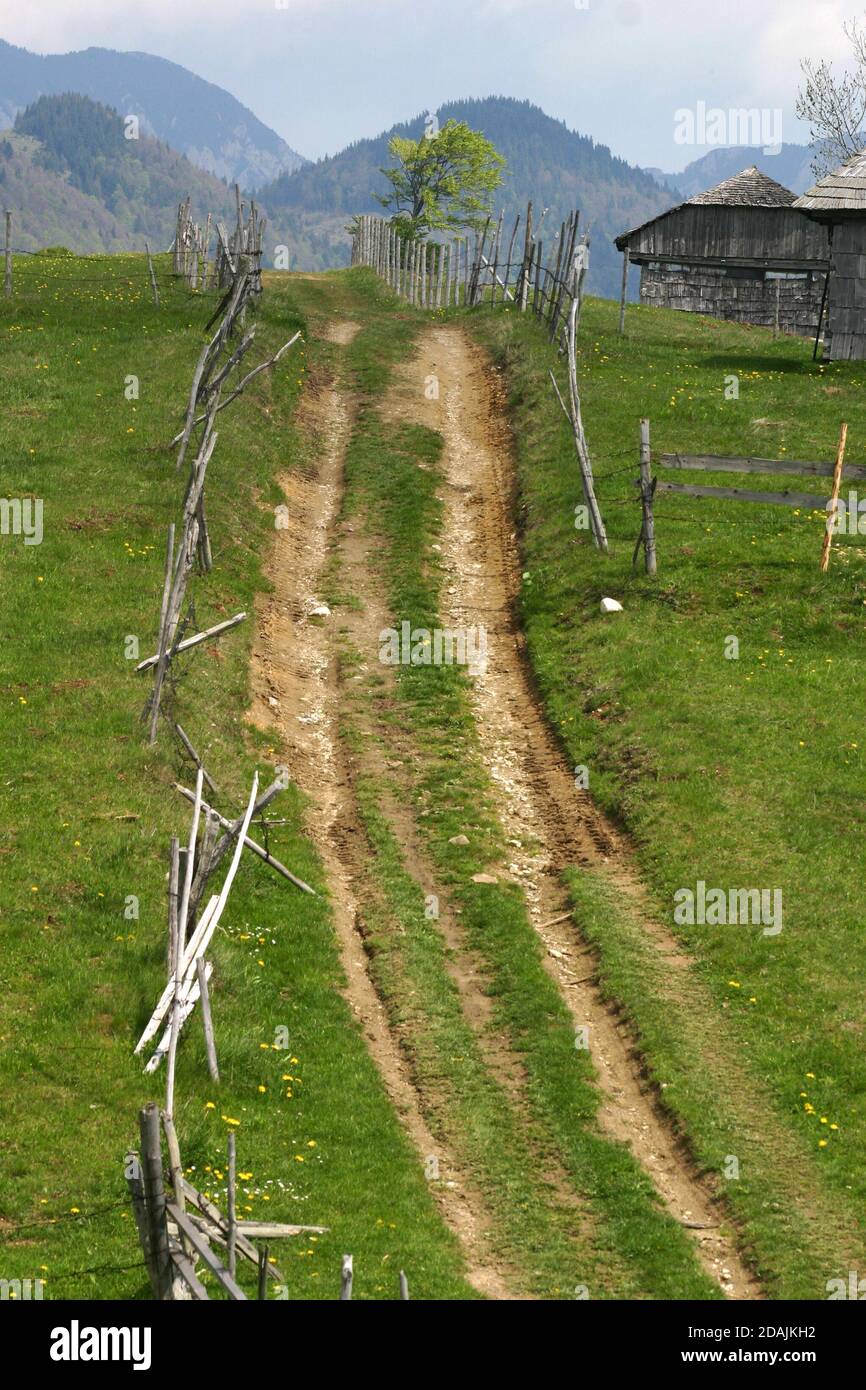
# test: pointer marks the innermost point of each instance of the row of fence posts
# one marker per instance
(179, 1227)
(191, 247)
(472, 269)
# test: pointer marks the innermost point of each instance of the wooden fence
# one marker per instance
(191, 262)
(651, 487)
(191, 247)
(478, 267)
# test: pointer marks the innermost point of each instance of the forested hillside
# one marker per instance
(71, 178)
(210, 126)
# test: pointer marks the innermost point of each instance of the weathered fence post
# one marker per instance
(646, 498)
(346, 1277)
(154, 1196)
(526, 268)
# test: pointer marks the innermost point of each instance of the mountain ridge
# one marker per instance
(198, 118)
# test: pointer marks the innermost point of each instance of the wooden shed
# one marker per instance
(838, 203)
(741, 251)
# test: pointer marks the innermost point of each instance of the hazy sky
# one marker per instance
(325, 72)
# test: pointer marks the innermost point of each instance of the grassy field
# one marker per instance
(87, 811)
(740, 772)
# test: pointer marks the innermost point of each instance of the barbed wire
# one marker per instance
(65, 1216)
(98, 1269)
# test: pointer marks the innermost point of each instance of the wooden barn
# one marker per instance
(838, 203)
(742, 251)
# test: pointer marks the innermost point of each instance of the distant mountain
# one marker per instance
(211, 127)
(547, 162)
(72, 179)
(791, 167)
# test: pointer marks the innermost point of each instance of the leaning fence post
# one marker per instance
(8, 284)
(346, 1276)
(153, 284)
(207, 1019)
(154, 1196)
(833, 504)
(646, 496)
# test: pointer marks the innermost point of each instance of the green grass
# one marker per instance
(79, 978)
(743, 772)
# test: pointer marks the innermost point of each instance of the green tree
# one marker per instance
(443, 181)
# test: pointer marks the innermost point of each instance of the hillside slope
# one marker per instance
(70, 178)
(201, 120)
(546, 161)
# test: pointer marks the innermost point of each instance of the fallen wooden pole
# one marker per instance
(245, 1246)
(205, 1254)
(253, 845)
(190, 642)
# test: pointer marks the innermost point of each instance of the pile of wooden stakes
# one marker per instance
(204, 404)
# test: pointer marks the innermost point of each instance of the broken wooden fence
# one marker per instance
(190, 932)
(178, 1228)
(650, 487)
(191, 247)
(216, 363)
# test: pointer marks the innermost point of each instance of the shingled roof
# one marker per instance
(750, 188)
(844, 190)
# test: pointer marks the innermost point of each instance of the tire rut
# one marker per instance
(551, 824)
(295, 690)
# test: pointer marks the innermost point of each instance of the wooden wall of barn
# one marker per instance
(846, 339)
(740, 298)
(710, 232)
